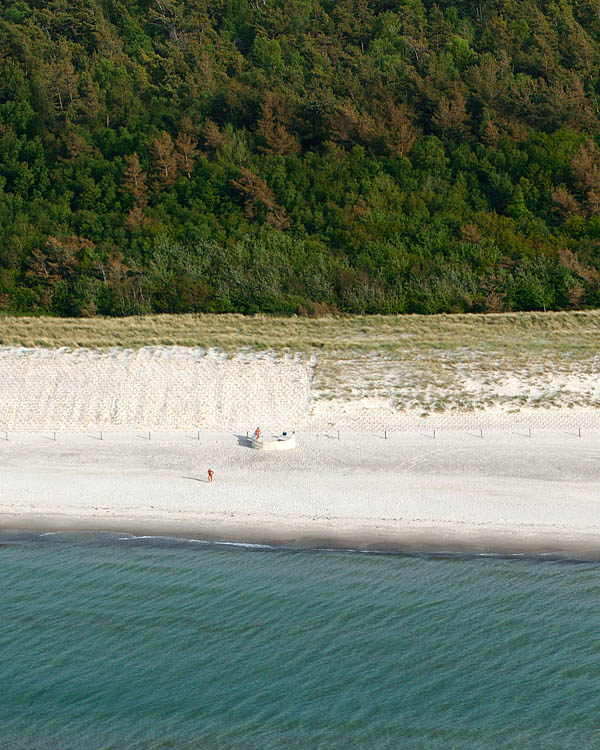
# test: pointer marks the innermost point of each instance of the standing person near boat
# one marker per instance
(257, 433)
(211, 473)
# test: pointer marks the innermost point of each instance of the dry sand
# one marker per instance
(168, 387)
(502, 492)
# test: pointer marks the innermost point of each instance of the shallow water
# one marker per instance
(108, 641)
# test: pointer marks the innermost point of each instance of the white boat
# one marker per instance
(283, 442)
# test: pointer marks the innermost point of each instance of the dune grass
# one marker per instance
(573, 333)
(424, 364)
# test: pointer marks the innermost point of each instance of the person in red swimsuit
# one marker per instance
(210, 475)
(257, 433)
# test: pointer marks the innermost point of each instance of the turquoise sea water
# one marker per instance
(115, 642)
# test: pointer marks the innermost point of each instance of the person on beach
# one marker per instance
(257, 433)
(210, 475)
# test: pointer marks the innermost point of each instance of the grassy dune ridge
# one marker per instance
(562, 333)
(421, 364)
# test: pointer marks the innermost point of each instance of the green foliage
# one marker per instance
(298, 157)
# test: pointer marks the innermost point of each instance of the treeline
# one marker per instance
(299, 156)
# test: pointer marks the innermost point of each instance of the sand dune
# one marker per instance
(168, 387)
(172, 387)
(482, 482)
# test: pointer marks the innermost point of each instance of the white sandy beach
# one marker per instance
(504, 491)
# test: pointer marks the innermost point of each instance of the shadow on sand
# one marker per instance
(245, 441)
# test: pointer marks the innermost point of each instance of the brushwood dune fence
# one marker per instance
(186, 388)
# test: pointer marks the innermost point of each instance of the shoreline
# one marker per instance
(432, 542)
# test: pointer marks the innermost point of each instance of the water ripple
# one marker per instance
(112, 641)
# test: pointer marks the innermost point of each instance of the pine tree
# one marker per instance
(186, 150)
(278, 140)
(165, 163)
(451, 115)
(134, 180)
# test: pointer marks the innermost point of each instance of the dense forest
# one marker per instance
(299, 156)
